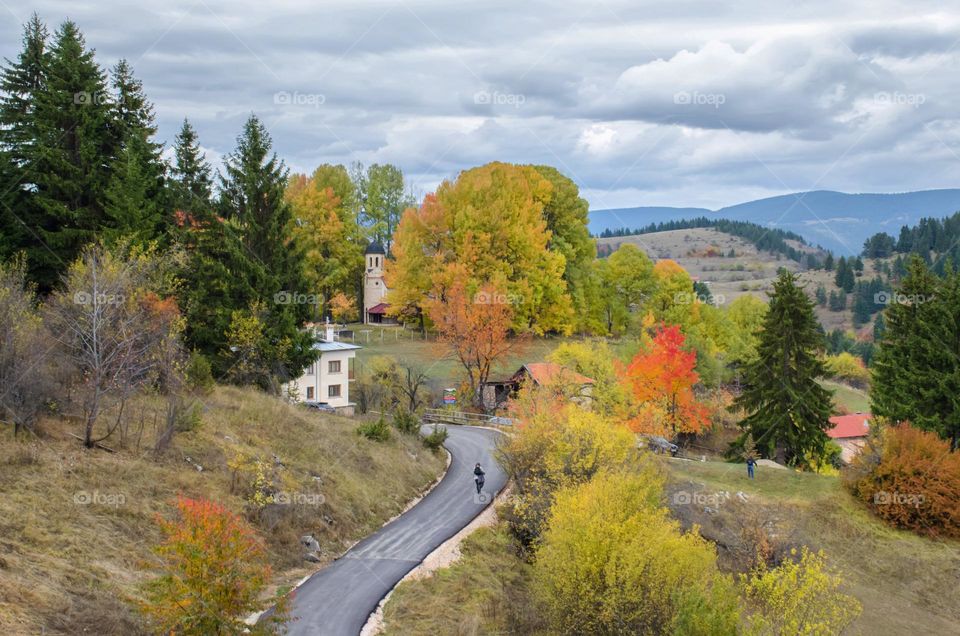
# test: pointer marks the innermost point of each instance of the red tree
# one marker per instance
(662, 378)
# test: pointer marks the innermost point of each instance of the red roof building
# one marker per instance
(850, 433)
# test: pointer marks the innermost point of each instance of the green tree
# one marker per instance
(245, 262)
(20, 82)
(70, 157)
(916, 374)
(191, 182)
(787, 409)
(384, 199)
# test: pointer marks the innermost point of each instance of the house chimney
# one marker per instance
(329, 336)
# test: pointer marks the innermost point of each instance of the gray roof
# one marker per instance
(375, 248)
(325, 346)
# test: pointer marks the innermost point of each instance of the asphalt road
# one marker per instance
(337, 600)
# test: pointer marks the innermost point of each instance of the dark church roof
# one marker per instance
(375, 248)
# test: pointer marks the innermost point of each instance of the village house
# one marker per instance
(495, 393)
(375, 287)
(850, 433)
(327, 380)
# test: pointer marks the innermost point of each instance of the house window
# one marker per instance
(334, 366)
(309, 392)
(309, 370)
(333, 390)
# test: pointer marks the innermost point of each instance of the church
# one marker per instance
(375, 287)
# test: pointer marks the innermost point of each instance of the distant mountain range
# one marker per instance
(838, 221)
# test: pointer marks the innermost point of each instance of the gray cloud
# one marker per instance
(643, 103)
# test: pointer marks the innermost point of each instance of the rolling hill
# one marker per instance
(837, 221)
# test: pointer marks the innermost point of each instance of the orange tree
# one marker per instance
(212, 572)
(661, 378)
(475, 327)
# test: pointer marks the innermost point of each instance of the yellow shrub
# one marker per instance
(799, 597)
(614, 562)
(849, 368)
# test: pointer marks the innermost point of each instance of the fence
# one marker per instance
(462, 418)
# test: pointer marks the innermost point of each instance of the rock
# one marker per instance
(742, 496)
(311, 557)
(310, 543)
(709, 510)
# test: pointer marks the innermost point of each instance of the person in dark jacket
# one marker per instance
(478, 477)
(751, 462)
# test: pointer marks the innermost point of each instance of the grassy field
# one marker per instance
(905, 583)
(899, 578)
(847, 398)
(409, 346)
(77, 526)
(485, 592)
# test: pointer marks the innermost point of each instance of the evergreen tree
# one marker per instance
(821, 295)
(70, 157)
(20, 82)
(242, 264)
(828, 262)
(916, 370)
(787, 409)
(135, 204)
(191, 182)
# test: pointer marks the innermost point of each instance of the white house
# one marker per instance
(328, 379)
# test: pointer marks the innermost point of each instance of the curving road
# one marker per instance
(337, 600)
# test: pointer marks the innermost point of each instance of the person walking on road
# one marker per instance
(751, 462)
(478, 477)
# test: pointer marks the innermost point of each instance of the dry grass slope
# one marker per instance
(77, 526)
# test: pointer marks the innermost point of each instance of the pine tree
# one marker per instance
(821, 295)
(136, 205)
(243, 262)
(191, 180)
(916, 370)
(70, 157)
(20, 82)
(787, 409)
(828, 263)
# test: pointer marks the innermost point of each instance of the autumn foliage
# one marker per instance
(212, 572)
(661, 378)
(910, 479)
(474, 326)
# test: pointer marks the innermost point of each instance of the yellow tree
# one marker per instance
(329, 235)
(490, 222)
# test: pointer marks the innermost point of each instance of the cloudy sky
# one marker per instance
(685, 103)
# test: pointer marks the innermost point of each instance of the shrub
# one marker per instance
(556, 446)
(378, 430)
(406, 422)
(199, 374)
(798, 597)
(614, 562)
(910, 479)
(849, 368)
(189, 418)
(435, 440)
(213, 570)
